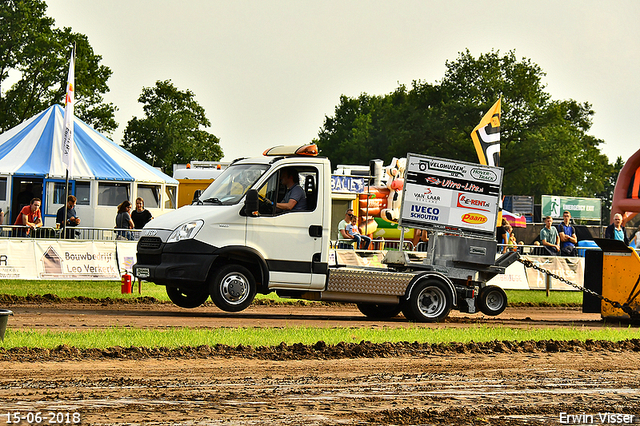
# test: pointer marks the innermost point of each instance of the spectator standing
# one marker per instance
(508, 236)
(72, 218)
(501, 235)
(123, 221)
(616, 231)
(636, 239)
(29, 217)
(140, 215)
(567, 234)
(549, 238)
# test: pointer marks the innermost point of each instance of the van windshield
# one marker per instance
(233, 183)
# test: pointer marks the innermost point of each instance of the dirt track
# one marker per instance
(491, 384)
(164, 315)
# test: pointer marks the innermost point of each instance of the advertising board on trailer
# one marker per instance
(455, 196)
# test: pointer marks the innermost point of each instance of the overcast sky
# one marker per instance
(267, 72)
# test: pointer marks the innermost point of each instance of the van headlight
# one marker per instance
(186, 231)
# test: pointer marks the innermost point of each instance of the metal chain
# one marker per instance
(625, 307)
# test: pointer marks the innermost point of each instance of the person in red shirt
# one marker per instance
(30, 217)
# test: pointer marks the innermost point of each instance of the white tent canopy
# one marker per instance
(103, 174)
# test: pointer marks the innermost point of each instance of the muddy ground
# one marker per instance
(495, 383)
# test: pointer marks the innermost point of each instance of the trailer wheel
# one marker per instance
(187, 297)
(430, 301)
(492, 300)
(233, 288)
(378, 310)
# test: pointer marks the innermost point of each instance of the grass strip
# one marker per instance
(111, 289)
(267, 337)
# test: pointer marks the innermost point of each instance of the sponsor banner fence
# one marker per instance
(570, 268)
(41, 259)
(514, 278)
(443, 194)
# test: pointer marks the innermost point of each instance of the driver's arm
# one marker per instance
(288, 205)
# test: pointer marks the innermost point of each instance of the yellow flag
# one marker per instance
(486, 137)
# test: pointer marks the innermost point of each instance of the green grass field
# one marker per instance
(185, 337)
(111, 289)
(269, 337)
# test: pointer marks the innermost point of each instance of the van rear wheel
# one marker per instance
(187, 297)
(233, 288)
(430, 301)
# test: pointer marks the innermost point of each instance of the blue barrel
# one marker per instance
(585, 243)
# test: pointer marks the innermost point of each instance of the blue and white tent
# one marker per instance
(103, 173)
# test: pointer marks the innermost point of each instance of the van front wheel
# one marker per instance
(233, 288)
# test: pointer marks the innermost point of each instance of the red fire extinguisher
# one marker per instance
(126, 283)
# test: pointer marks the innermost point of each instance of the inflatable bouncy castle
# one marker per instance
(626, 195)
(379, 206)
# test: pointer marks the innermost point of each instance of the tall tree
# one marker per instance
(545, 148)
(34, 62)
(171, 131)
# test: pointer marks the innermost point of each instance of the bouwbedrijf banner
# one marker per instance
(40, 259)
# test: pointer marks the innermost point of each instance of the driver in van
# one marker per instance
(294, 198)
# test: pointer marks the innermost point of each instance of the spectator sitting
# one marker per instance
(549, 238)
(342, 231)
(567, 234)
(354, 232)
(420, 238)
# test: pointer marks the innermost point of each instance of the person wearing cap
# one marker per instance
(343, 234)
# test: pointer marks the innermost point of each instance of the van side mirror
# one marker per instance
(251, 203)
(196, 195)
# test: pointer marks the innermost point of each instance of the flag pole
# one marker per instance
(67, 141)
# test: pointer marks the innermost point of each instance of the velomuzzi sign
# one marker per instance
(454, 195)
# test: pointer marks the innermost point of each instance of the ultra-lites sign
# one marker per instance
(443, 194)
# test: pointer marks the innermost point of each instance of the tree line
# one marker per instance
(545, 145)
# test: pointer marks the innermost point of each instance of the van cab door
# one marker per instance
(291, 241)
